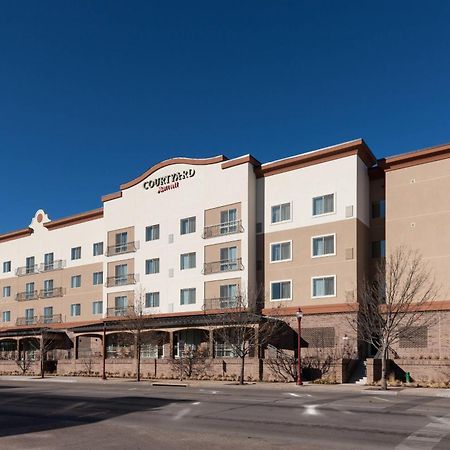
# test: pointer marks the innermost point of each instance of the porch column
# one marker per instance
(211, 342)
(171, 344)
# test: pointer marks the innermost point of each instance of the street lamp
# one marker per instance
(299, 315)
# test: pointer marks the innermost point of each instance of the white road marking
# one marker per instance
(384, 399)
(311, 410)
(181, 413)
(292, 394)
(69, 408)
(196, 403)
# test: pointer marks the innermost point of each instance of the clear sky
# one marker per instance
(92, 93)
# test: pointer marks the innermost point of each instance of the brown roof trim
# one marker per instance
(376, 172)
(417, 157)
(316, 309)
(113, 196)
(169, 162)
(75, 219)
(15, 234)
(356, 147)
(241, 160)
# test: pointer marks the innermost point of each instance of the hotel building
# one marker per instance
(186, 238)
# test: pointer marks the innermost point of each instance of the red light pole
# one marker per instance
(299, 315)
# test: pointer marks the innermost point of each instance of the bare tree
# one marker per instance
(192, 361)
(392, 304)
(241, 331)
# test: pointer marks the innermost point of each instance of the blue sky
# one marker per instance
(92, 93)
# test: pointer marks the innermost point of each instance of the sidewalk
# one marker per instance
(308, 387)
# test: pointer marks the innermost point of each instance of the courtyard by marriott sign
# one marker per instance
(168, 182)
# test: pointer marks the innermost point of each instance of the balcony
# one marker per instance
(27, 270)
(120, 249)
(27, 295)
(54, 318)
(125, 311)
(33, 320)
(221, 303)
(55, 265)
(121, 280)
(226, 265)
(52, 293)
(223, 229)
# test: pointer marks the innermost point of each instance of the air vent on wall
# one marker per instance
(170, 273)
(170, 307)
(349, 253)
(170, 238)
(349, 211)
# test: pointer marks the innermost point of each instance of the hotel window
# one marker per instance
(323, 204)
(7, 266)
(97, 248)
(187, 296)
(152, 300)
(49, 260)
(281, 290)
(97, 307)
(281, 251)
(378, 209)
(187, 261)
(48, 288)
(29, 264)
(6, 291)
(187, 225)
(29, 316)
(228, 221)
(323, 245)
(75, 309)
(152, 233)
(75, 281)
(121, 305)
(29, 291)
(6, 316)
(152, 266)
(228, 296)
(281, 213)
(75, 253)
(121, 274)
(121, 242)
(324, 286)
(379, 249)
(48, 314)
(228, 259)
(97, 278)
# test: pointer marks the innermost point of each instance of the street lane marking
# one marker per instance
(292, 394)
(311, 410)
(196, 403)
(181, 413)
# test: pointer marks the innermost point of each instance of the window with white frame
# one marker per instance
(324, 286)
(97, 307)
(97, 248)
(75, 281)
(6, 266)
(187, 225)
(75, 309)
(6, 291)
(228, 221)
(152, 300)
(281, 251)
(281, 213)
(324, 204)
(6, 316)
(152, 266)
(152, 233)
(97, 278)
(187, 296)
(75, 253)
(281, 290)
(323, 245)
(187, 261)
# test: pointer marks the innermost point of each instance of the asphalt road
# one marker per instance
(127, 415)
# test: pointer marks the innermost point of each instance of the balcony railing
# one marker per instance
(121, 280)
(226, 265)
(27, 320)
(221, 303)
(222, 229)
(51, 293)
(55, 265)
(120, 312)
(119, 249)
(27, 295)
(27, 270)
(54, 318)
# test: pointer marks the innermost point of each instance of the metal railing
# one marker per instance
(27, 320)
(55, 265)
(27, 295)
(226, 265)
(222, 229)
(121, 280)
(51, 293)
(120, 312)
(27, 270)
(119, 249)
(54, 318)
(221, 303)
